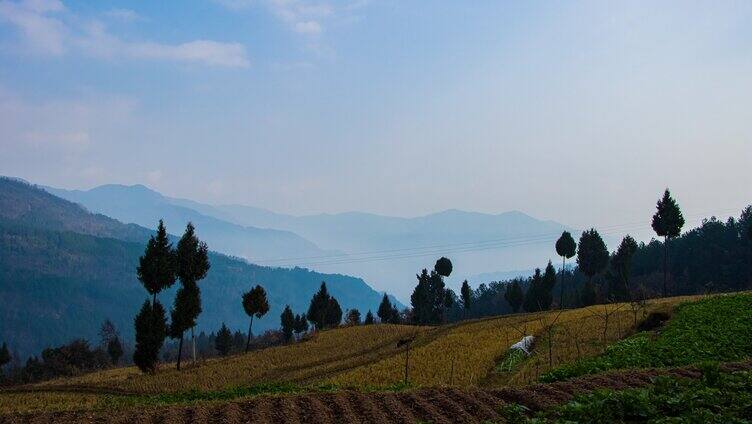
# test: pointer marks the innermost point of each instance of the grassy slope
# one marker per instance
(717, 328)
(363, 357)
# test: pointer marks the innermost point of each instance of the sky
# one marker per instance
(578, 111)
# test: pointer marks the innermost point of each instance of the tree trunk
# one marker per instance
(154, 301)
(248, 343)
(193, 342)
(563, 267)
(180, 350)
(665, 266)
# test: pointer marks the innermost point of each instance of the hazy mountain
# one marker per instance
(397, 248)
(386, 251)
(64, 270)
(140, 205)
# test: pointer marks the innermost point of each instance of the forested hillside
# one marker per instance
(64, 270)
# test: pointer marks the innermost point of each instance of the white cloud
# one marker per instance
(124, 15)
(40, 32)
(46, 32)
(308, 27)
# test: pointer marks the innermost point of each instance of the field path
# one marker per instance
(436, 405)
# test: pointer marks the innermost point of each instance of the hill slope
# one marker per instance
(140, 205)
(64, 270)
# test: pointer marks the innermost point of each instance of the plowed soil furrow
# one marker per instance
(257, 410)
(341, 408)
(448, 407)
(397, 411)
(423, 409)
(196, 414)
(168, 416)
(364, 405)
(313, 411)
(437, 405)
(476, 402)
(226, 413)
(290, 410)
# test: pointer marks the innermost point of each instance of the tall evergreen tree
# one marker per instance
(387, 313)
(534, 292)
(429, 298)
(184, 312)
(192, 266)
(667, 223)
(353, 317)
(114, 350)
(254, 304)
(467, 298)
(621, 265)
(223, 341)
(333, 317)
(514, 295)
(369, 318)
(324, 310)
(301, 324)
(287, 319)
(4, 357)
(157, 268)
(151, 330)
(592, 259)
(566, 248)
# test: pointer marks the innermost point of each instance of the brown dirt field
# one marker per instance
(436, 405)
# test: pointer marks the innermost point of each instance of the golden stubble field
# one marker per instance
(367, 357)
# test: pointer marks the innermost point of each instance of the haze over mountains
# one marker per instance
(63, 270)
(385, 251)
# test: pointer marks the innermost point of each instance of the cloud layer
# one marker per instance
(46, 27)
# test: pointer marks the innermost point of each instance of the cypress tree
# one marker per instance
(183, 316)
(386, 310)
(592, 259)
(667, 223)
(151, 330)
(301, 325)
(223, 341)
(621, 264)
(254, 304)
(192, 266)
(4, 356)
(333, 313)
(157, 268)
(467, 297)
(288, 323)
(114, 350)
(353, 317)
(566, 247)
(534, 293)
(514, 295)
(369, 318)
(324, 310)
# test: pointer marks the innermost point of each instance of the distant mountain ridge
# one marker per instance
(384, 250)
(63, 270)
(143, 206)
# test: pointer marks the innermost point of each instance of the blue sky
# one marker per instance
(580, 112)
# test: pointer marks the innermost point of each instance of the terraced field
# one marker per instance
(435, 405)
(351, 374)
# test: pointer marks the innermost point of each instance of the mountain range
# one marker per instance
(63, 270)
(383, 250)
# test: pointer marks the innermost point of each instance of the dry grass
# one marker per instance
(463, 354)
(467, 352)
(326, 353)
